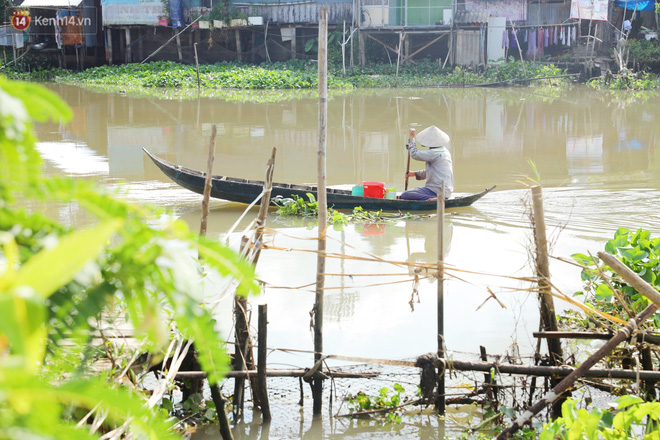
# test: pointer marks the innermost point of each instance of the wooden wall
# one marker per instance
(301, 13)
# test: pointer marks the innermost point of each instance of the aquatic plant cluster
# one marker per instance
(169, 74)
(293, 74)
(609, 293)
(299, 207)
(627, 80)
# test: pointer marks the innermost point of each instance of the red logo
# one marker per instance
(20, 20)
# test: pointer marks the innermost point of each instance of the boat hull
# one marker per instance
(246, 191)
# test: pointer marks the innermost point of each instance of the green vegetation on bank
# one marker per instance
(293, 74)
(645, 53)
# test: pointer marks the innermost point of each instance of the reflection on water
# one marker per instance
(582, 136)
(597, 159)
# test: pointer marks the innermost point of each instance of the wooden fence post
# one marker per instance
(262, 353)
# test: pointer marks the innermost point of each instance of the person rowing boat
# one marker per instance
(438, 167)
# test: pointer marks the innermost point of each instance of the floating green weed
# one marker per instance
(627, 80)
(293, 74)
(298, 206)
(382, 405)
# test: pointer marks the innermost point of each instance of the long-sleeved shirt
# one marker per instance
(438, 168)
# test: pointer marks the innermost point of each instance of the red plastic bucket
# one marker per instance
(374, 189)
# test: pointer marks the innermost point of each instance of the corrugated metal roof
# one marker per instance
(468, 17)
(56, 4)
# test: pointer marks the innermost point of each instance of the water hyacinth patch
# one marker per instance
(293, 75)
(167, 74)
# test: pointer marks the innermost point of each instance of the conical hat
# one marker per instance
(432, 137)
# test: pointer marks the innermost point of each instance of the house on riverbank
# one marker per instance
(66, 30)
(468, 33)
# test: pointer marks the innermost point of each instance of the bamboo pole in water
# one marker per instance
(440, 401)
(208, 182)
(317, 382)
(291, 373)
(398, 58)
(263, 207)
(220, 402)
(638, 284)
(243, 358)
(547, 306)
(241, 338)
(216, 395)
(197, 67)
(548, 318)
(262, 353)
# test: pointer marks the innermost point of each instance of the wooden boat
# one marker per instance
(245, 191)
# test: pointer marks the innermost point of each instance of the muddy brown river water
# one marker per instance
(597, 157)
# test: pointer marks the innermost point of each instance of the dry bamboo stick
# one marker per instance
(522, 60)
(651, 338)
(280, 373)
(398, 58)
(548, 318)
(243, 358)
(440, 401)
(631, 277)
(518, 370)
(197, 67)
(546, 302)
(208, 182)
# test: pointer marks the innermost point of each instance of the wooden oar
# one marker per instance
(411, 136)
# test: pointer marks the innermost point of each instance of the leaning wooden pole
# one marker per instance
(216, 394)
(547, 306)
(317, 382)
(220, 402)
(197, 67)
(208, 182)
(638, 284)
(440, 400)
(398, 58)
(522, 60)
(250, 249)
(548, 317)
(263, 207)
(241, 343)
